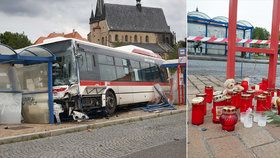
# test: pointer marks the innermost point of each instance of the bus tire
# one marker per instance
(111, 103)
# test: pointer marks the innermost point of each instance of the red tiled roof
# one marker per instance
(75, 35)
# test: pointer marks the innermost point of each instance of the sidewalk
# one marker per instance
(224, 58)
(24, 132)
(209, 140)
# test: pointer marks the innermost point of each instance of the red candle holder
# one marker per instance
(278, 92)
(197, 111)
(217, 110)
(252, 95)
(271, 91)
(261, 103)
(268, 100)
(245, 85)
(238, 99)
(245, 102)
(227, 101)
(203, 95)
(264, 84)
(233, 95)
(229, 118)
(209, 93)
(261, 86)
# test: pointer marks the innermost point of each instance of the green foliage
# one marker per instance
(174, 54)
(119, 44)
(14, 40)
(261, 34)
(272, 117)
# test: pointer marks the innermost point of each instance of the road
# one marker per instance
(161, 137)
(218, 68)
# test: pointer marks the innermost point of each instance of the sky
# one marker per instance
(40, 17)
(257, 12)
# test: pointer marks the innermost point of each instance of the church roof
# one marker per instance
(130, 18)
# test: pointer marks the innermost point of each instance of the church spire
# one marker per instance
(91, 19)
(99, 11)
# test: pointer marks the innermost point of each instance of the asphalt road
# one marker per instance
(159, 137)
(218, 68)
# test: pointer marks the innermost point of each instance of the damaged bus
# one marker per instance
(88, 76)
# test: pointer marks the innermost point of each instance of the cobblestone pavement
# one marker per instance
(209, 140)
(108, 142)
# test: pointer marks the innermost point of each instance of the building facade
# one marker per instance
(116, 25)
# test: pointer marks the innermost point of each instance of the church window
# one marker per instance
(140, 39)
(102, 41)
(147, 39)
(126, 38)
(135, 38)
(116, 38)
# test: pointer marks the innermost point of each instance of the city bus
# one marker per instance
(88, 76)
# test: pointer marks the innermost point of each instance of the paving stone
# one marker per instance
(268, 151)
(213, 130)
(192, 91)
(229, 146)
(108, 142)
(196, 145)
(190, 97)
(274, 130)
(254, 136)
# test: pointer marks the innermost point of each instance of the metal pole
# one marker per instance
(226, 43)
(231, 39)
(178, 82)
(274, 44)
(241, 74)
(206, 46)
(50, 94)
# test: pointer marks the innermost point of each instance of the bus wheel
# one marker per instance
(111, 103)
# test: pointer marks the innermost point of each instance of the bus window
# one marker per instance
(82, 62)
(104, 59)
(145, 71)
(107, 72)
(118, 62)
(136, 73)
(107, 68)
(123, 73)
(163, 74)
(155, 73)
(124, 62)
(90, 64)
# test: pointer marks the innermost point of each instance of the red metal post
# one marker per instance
(178, 82)
(274, 44)
(231, 39)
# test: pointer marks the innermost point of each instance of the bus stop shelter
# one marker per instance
(30, 56)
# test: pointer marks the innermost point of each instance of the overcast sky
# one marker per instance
(257, 12)
(40, 17)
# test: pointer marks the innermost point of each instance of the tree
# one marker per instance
(174, 54)
(260, 34)
(14, 40)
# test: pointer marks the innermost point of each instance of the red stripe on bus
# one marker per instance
(102, 83)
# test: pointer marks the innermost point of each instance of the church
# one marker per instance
(117, 25)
